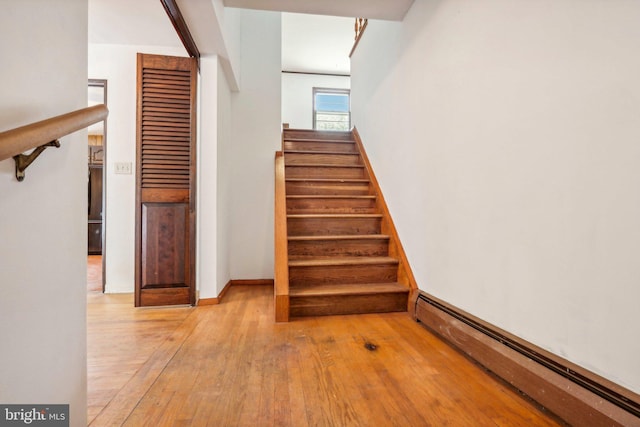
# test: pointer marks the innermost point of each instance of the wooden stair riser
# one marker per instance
(337, 248)
(344, 172)
(319, 145)
(334, 305)
(315, 134)
(331, 205)
(353, 274)
(292, 158)
(326, 187)
(319, 226)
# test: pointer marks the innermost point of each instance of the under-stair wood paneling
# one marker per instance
(340, 259)
(166, 167)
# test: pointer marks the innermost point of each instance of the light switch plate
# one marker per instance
(122, 168)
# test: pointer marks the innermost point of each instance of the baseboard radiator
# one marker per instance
(574, 394)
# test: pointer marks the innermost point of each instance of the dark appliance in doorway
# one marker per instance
(95, 209)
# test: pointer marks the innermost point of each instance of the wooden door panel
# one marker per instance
(164, 296)
(165, 229)
(165, 197)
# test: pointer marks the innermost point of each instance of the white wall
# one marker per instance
(214, 30)
(214, 178)
(505, 137)
(297, 96)
(117, 64)
(231, 32)
(207, 177)
(224, 172)
(255, 138)
(43, 220)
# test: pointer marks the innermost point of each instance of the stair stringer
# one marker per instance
(281, 257)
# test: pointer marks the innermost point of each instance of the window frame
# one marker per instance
(325, 90)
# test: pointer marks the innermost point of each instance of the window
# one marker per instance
(331, 109)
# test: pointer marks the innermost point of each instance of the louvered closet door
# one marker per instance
(165, 197)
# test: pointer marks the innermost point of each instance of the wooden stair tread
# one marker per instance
(355, 180)
(345, 141)
(331, 196)
(321, 165)
(334, 216)
(348, 289)
(340, 237)
(342, 153)
(341, 261)
(316, 131)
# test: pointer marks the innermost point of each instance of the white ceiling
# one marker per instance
(393, 10)
(316, 44)
(139, 22)
(309, 43)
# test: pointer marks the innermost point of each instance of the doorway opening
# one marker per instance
(96, 219)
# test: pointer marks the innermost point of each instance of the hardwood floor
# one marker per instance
(232, 365)
(94, 273)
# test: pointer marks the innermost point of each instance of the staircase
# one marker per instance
(340, 256)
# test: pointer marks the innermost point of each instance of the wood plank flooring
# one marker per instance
(94, 273)
(232, 365)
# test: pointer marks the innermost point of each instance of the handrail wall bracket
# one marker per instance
(46, 133)
(23, 161)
